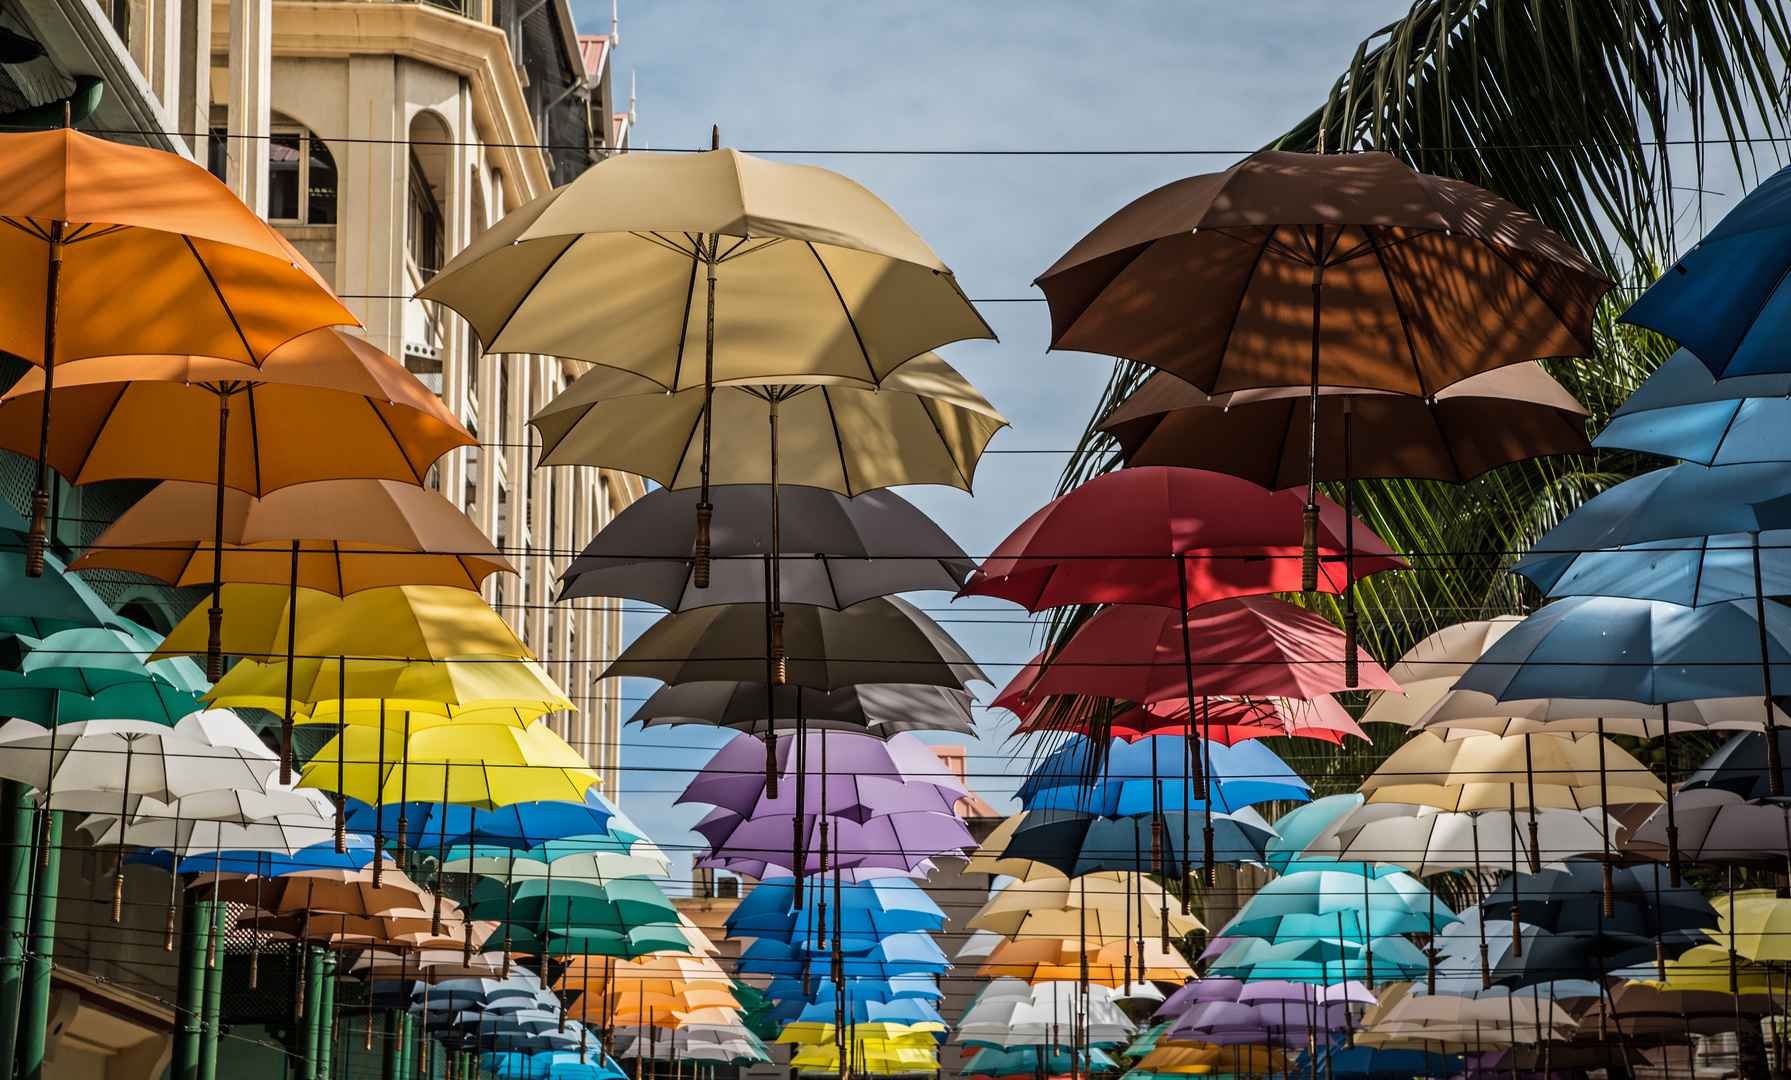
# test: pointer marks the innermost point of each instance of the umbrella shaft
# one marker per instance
(40, 498)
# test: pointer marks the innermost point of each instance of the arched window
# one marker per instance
(301, 176)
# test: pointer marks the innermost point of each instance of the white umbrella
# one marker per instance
(1425, 840)
(1473, 711)
(226, 804)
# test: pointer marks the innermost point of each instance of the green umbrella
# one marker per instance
(96, 673)
(543, 903)
(42, 605)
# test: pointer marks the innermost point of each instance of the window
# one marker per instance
(426, 233)
(301, 179)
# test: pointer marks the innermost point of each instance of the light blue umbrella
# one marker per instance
(1024, 1061)
(1680, 411)
(1297, 828)
(1123, 781)
(1728, 300)
(1319, 960)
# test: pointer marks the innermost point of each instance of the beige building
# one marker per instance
(396, 132)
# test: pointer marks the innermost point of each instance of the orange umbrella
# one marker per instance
(343, 535)
(325, 406)
(118, 250)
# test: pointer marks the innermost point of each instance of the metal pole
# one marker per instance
(212, 1002)
(189, 991)
(291, 655)
(308, 1022)
(15, 860)
(699, 575)
(326, 1016)
(34, 1012)
(40, 498)
(1309, 551)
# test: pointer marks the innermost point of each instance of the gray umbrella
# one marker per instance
(834, 550)
(882, 640)
(880, 709)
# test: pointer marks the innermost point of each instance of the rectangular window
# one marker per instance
(320, 184)
(283, 161)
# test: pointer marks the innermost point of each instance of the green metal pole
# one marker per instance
(326, 1017)
(15, 863)
(310, 1026)
(189, 989)
(212, 919)
(407, 1053)
(388, 1069)
(34, 1009)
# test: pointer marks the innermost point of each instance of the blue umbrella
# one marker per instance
(863, 910)
(858, 1011)
(1680, 411)
(1123, 781)
(896, 987)
(593, 1064)
(1375, 1061)
(359, 855)
(1024, 1061)
(1080, 843)
(1726, 299)
(1647, 651)
(1318, 960)
(521, 825)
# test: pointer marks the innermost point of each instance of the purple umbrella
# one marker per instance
(859, 776)
(1192, 993)
(1275, 1023)
(901, 840)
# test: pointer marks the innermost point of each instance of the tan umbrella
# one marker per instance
(346, 535)
(992, 858)
(1490, 772)
(1429, 668)
(779, 273)
(1098, 908)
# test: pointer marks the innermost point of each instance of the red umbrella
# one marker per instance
(1246, 646)
(1223, 720)
(1177, 538)
(1170, 537)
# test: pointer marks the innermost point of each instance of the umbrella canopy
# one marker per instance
(1681, 411)
(1724, 300)
(325, 406)
(864, 777)
(576, 858)
(483, 689)
(1225, 721)
(203, 752)
(1634, 650)
(1460, 712)
(1338, 901)
(876, 641)
(1245, 645)
(1741, 766)
(1112, 964)
(351, 535)
(1719, 827)
(880, 709)
(1425, 280)
(814, 276)
(1105, 903)
(923, 423)
(479, 765)
(1490, 772)
(1169, 537)
(1120, 778)
(1570, 900)
(1426, 841)
(835, 551)
(891, 842)
(158, 257)
(1429, 669)
(355, 894)
(1065, 842)
(420, 622)
(97, 674)
(1261, 435)
(41, 605)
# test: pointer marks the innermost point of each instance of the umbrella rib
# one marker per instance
(1405, 330)
(684, 323)
(255, 439)
(1231, 325)
(396, 441)
(838, 443)
(110, 409)
(846, 311)
(213, 282)
(1540, 294)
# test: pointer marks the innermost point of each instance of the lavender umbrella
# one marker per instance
(903, 842)
(862, 776)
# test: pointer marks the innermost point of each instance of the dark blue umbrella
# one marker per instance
(1726, 299)
(1380, 1061)
(1078, 843)
(1680, 411)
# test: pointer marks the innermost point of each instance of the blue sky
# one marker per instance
(974, 75)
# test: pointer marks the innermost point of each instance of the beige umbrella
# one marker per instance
(1471, 710)
(1429, 668)
(992, 858)
(779, 273)
(1097, 908)
(1491, 772)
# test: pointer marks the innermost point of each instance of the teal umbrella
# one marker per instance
(38, 606)
(96, 673)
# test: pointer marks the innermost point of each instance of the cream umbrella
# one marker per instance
(779, 273)
(1429, 668)
(1427, 841)
(1097, 908)
(1492, 772)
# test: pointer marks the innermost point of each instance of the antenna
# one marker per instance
(615, 35)
(631, 95)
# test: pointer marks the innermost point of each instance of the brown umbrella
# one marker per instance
(357, 895)
(1266, 435)
(324, 406)
(343, 535)
(1323, 270)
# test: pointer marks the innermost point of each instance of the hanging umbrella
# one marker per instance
(1722, 300)
(351, 535)
(1118, 778)
(1245, 645)
(1719, 827)
(96, 674)
(1429, 669)
(1490, 772)
(841, 290)
(1058, 908)
(1426, 281)
(120, 250)
(41, 604)
(1071, 843)
(880, 709)
(864, 775)
(1570, 900)
(417, 622)
(1681, 411)
(834, 550)
(1426, 841)
(117, 412)
(1053, 959)
(1260, 435)
(479, 765)
(1464, 711)
(876, 641)
(568, 859)
(1222, 721)
(498, 688)
(902, 842)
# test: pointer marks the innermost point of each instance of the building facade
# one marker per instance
(395, 134)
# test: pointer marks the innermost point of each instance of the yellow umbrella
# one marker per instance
(455, 687)
(1755, 923)
(1097, 908)
(1707, 967)
(992, 858)
(918, 1034)
(479, 765)
(868, 1056)
(414, 622)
